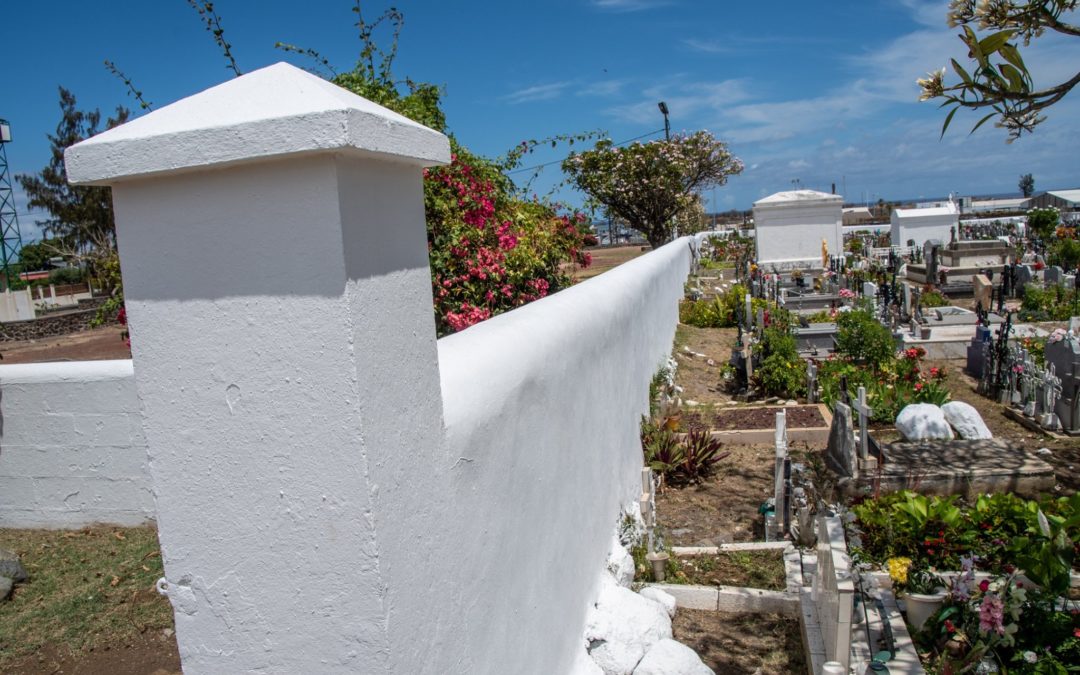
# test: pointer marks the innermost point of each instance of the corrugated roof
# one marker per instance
(1068, 195)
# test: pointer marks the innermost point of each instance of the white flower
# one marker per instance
(1030, 657)
(1044, 525)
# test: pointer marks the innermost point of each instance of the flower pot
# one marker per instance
(659, 564)
(921, 606)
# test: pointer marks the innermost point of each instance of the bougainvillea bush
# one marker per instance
(489, 250)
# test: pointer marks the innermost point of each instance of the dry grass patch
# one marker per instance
(88, 589)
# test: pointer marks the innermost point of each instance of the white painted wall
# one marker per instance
(72, 450)
(790, 226)
(314, 514)
(16, 305)
(542, 407)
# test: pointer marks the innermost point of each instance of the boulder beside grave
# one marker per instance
(10, 566)
(966, 420)
(921, 421)
(622, 627)
(669, 657)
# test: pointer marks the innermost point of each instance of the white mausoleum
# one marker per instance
(920, 225)
(790, 227)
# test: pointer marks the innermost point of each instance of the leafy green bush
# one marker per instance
(722, 312)
(688, 460)
(701, 453)
(781, 372)
(863, 339)
(1047, 304)
(1002, 530)
(1066, 254)
(66, 275)
(933, 299)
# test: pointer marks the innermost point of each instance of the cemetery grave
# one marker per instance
(865, 456)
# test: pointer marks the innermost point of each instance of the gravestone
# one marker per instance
(869, 289)
(864, 412)
(811, 382)
(1064, 356)
(978, 351)
(983, 289)
(1054, 275)
(841, 455)
(1025, 274)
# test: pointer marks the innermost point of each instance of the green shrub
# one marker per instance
(66, 275)
(722, 312)
(933, 299)
(863, 339)
(781, 372)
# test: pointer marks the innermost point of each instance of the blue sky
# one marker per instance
(820, 92)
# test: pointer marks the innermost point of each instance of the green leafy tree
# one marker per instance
(1027, 184)
(1066, 254)
(80, 215)
(998, 80)
(650, 184)
(1043, 222)
(36, 256)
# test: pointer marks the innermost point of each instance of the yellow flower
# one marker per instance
(898, 569)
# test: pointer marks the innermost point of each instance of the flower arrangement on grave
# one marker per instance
(999, 622)
(847, 294)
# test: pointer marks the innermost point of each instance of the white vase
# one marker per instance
(921, 606)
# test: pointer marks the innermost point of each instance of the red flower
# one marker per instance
(984, 585)
(949, 626)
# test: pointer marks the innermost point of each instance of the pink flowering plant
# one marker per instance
(1000, 619)
(490, 250)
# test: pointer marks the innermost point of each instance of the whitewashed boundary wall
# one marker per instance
(314, 513)
(72, 449)
(542, 408)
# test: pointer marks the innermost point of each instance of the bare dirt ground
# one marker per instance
(724, 507)
(88, 345)
(152, 654)
(742, 644)
(699, 380)
(606, 258)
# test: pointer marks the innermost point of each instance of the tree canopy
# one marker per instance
(998, 79)
(1027, 184)
(650, 184)
(81, 215)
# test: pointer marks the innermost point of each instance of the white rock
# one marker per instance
(966, 420)
(584, 665)
(622, 627)
(690, 402)
(920, 421)
(664, 598)
(669, 657)
(620, 563)
(1045, 452)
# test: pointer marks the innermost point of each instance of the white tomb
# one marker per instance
(921, 225)
(790, 228)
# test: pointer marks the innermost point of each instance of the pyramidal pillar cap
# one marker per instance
(273, 112)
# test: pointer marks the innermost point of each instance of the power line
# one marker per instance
(559, 161)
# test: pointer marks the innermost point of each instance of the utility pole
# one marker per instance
(11, 241)
(667, 126)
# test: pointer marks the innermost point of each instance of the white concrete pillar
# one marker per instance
(271, 233)
(52, 293)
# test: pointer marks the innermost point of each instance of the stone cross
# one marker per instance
(748, 313)
(1051, 394)
(811, 382)
(780, 443)
(864, 414)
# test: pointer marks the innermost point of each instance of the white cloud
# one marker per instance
(602, 88)
(540, 92)
(628, 5)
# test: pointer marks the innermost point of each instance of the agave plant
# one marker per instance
(700, 453)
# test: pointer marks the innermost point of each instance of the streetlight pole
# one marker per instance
(667, 126)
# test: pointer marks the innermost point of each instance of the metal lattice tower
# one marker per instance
(9, 218)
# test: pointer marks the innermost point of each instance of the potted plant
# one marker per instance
(797, 275)
(922, 590)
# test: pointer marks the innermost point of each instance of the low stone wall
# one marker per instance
(72, 449)
(51, 326)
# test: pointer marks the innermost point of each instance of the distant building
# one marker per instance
(1010, 205)
(1063, 200)
(922, 224)
(857, 215)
